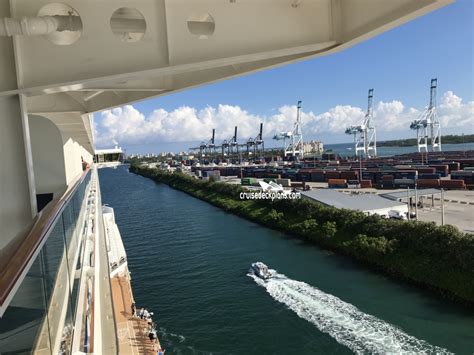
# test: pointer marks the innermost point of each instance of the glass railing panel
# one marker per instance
(77, 280)
(25, 316)
(56, 283)
(40, 316)
(70, 221)
(72, 234)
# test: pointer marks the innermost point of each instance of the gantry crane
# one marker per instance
(207, 149)
(365, 138)
(256, 145)
(230, 147)
(293, 140)
(427, 126)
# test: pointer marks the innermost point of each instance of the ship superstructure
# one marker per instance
(62, 61)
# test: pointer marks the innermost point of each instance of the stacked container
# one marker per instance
(453, 184)
(429, 176)
(337, 183)
(284, 182)
(428, 183)
(441, 169)
(318, 176)
(331, 175)
(387, 182)
(466, 175)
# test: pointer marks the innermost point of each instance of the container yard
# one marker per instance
(294, 168)
(451, 174)
(447, 170)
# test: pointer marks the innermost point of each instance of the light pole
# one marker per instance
(442, 207)
(416, 201)
(408, 203)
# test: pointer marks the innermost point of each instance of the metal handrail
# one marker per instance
(21, 254)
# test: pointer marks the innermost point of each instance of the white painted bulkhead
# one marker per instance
(49, 159)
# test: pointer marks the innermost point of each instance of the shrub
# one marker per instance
(273, 216)
(329, 229)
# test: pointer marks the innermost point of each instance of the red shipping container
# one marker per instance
(428, 182)
(453, 184)
(337, 181)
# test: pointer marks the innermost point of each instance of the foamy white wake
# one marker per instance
(344, 322)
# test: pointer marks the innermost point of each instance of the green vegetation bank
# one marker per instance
(435, 257)
(448, 139)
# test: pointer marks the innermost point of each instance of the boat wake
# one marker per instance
(359, 331)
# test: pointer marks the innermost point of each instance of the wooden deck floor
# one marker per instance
(131, 331)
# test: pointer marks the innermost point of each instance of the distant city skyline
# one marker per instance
(397, 64)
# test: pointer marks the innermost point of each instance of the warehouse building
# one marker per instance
(367, 203)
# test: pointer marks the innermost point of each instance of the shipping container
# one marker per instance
(404, 181)
(425, 170)
(349, 175)
(452, 166)
(337, 181)
(441, 169)
(427, 183)
(318, 176)
(284, 182)
(380, 174)
(466, 163)
(289, 174)
(462, 173)
(303, 176)
(453, 184)
(332, 175)
(208, 173)
(247, 181)
(368, 175)
(429, 176)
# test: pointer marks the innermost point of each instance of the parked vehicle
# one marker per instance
(397, 214)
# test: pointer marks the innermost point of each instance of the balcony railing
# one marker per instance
(38, 280)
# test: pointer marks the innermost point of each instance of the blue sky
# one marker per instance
(397, 64)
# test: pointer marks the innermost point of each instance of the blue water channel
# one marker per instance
(189, 263)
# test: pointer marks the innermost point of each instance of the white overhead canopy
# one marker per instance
(120, 52)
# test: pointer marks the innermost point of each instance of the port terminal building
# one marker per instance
(368, 203)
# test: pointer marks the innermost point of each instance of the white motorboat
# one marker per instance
(261, 270)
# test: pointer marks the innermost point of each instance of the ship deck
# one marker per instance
(132, 331)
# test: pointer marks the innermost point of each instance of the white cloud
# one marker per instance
(453, 113)
(126, 125)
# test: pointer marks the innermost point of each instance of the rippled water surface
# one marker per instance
(190, 261)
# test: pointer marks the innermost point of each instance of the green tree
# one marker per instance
(329, 229)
